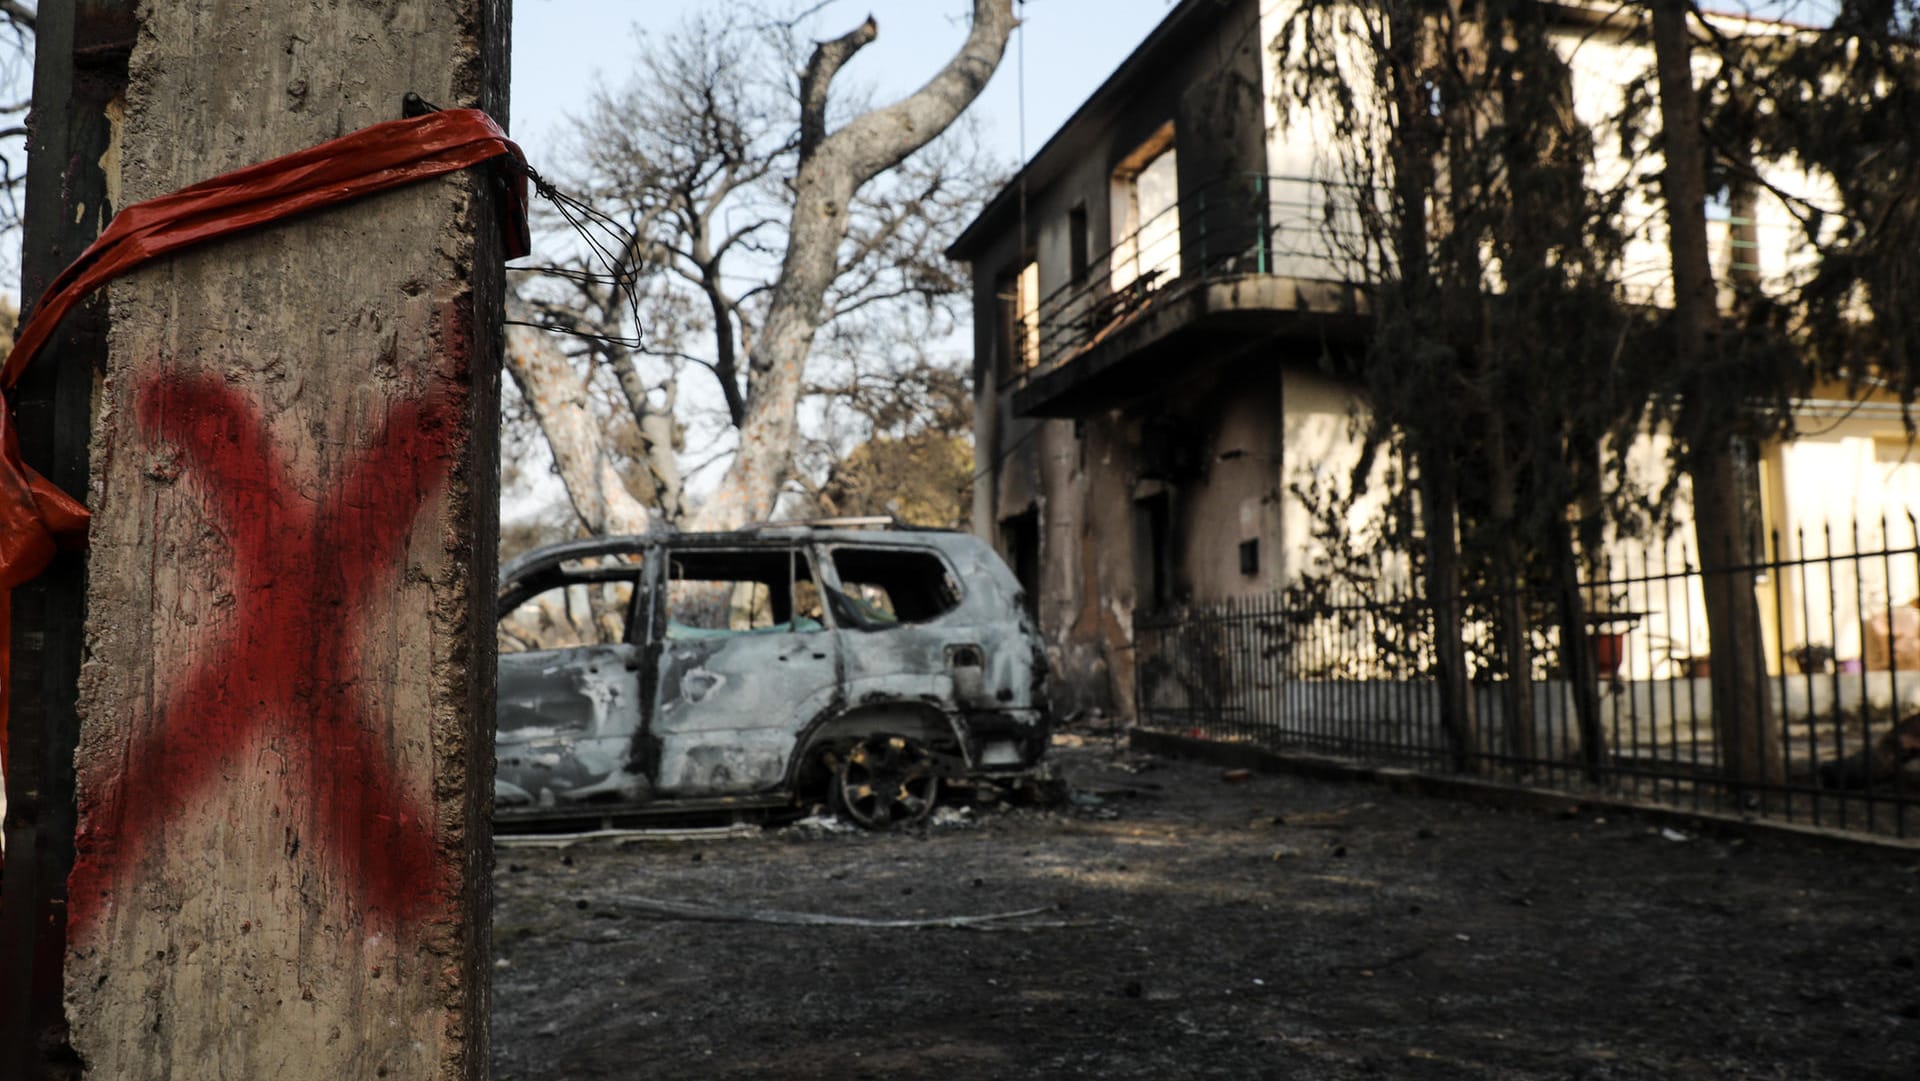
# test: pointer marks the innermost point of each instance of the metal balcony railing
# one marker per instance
(1236, 224)
(1299, 227)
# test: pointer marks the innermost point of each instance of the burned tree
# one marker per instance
(1709, 418)
(1838, 99)
(843, 214)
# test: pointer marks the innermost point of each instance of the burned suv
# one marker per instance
(763, 668)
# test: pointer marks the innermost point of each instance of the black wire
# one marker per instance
(582, 217)
(555, 328)
(573, 274)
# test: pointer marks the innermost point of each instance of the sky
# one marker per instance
(561, 47)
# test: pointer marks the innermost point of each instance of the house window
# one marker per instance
(1146, 218)
(1077, 253)
(1017, 295)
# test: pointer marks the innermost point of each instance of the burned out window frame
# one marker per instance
(637, 575)
(1016, 334)
(661, 581)
(1127, 219)
(839, 600)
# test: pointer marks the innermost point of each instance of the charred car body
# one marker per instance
(767, 667)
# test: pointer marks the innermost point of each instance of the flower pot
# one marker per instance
(1609, 649)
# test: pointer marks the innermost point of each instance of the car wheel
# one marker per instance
(886, 781)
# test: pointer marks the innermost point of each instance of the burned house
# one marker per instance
(1146, 337)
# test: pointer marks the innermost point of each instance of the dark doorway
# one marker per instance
(1020, 541)
(1153, 550)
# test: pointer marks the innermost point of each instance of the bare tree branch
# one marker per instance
(19, 14)
(702, 160)
(882, 138)
(826, 62)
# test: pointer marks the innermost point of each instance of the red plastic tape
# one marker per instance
(37, 519)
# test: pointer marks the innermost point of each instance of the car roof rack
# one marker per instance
(870, 521)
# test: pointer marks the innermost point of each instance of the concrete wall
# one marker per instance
(1244, 434)
(1233, 495)
(1323, 429)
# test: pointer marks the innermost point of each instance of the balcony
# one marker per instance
(1237, 261)
(1250, 260)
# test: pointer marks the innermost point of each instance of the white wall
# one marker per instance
(1850, 482)
(1322, 447)
(1303, 156)
(1302, 149)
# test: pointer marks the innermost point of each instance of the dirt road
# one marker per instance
(1195, 927)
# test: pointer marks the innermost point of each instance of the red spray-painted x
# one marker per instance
(36, 518)
(303, 568)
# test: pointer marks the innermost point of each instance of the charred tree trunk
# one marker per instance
(1438, 497)
(1741, 711)
(1415, 146)
(832, 167)
(1509, 581)
(1742, 723)
(1577, 657)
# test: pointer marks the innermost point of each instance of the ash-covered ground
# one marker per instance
(1174, 923)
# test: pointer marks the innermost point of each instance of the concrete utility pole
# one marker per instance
(285, 711)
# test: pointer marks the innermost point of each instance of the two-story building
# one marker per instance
(1154, 294)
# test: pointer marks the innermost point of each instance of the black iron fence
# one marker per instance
(1828, 701)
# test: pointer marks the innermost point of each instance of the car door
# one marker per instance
(745, 659)
(569, 688)
(902, 643)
